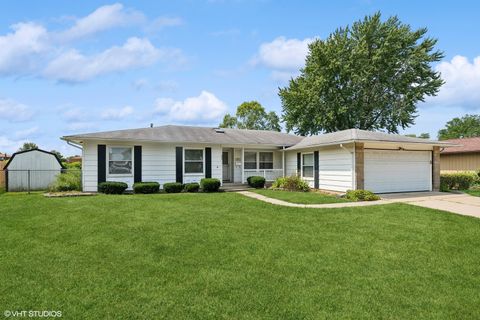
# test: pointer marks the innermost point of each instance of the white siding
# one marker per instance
(43, 167)
(291, 163)
(336, 169)
(89, 166)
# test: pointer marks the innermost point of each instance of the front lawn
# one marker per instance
(312, 197)
(475, 193)
(226, 256)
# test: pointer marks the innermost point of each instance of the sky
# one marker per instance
(71, 67)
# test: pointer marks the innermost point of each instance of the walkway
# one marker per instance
(456, 203)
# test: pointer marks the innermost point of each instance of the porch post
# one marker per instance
(243, 171)
(283, 162)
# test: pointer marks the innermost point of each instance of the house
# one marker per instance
(73, 159)
(349, 159)
(33, 169)
(4, 157)
(463, 157)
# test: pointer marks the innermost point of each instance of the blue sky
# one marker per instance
(68, 67)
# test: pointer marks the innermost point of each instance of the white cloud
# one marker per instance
(81, 125)
(22, 134)
(163, 22)
(203, 108)
(8, 145)
(103, 18)
(72, 66)
(18, 49)
(117, 114)
(462, 83)
(11, 110)
(75, 115)
(283, 53)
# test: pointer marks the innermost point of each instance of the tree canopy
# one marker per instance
(59, 155)
(252, 115)
(28, 146)
(368, 76)
(465, 127)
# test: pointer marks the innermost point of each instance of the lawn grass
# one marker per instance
(311, 197)
(475, 193)
(226, 256)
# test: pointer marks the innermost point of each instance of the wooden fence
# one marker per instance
(2, 175)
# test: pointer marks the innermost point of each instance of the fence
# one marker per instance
(2, 176)
(35, 180)
(268, 174)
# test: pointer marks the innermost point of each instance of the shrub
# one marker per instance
(210, 184)
(172, 187)
(292, 183)
(73, 165)
(112, 187)
(191, 187)
(256, 182)
(67, 181)
(361, 195)
(457, 181)
(146, 187)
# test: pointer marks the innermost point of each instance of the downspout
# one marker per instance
(74, 145)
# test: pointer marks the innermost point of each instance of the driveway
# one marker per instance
(463, 204)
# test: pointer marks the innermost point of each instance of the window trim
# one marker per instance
(313, 166)
(184, 160)
(108, 162)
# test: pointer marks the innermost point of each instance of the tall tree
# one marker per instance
(465, 127)
(59, 155)
(28, 146)
(252, 115)
(368, 76)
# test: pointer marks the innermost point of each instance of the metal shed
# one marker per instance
(32, 169)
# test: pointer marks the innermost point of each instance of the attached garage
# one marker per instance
(398, 170)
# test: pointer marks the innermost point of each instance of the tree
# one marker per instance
(251, 115)
(465, 127)
(28, 146)
(368, 76)
(424, 135)
(59, 155)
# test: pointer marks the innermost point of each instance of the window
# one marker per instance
(307, 165)
(120, 160)
(193, 160)
(250, 160)
(266, 160)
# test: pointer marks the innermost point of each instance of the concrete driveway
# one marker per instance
(461, 203)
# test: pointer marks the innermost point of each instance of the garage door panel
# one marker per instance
(397, 171)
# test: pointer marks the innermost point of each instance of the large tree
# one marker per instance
(368, 76)
(28, 146)
(252, 115)
(465, 127)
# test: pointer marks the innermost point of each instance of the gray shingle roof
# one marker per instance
(351, 135)
(191, 134)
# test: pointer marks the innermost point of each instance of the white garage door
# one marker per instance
(398, 171)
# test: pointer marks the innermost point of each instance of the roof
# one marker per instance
(30, 150)
(466, 145)
(191, 134)
(352, 135)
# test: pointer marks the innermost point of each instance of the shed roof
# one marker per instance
(465, 145)
(31, 150)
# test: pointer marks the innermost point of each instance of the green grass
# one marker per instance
(475, 193)
(300, 197)
(225, 256)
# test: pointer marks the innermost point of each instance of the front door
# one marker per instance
(226, 166)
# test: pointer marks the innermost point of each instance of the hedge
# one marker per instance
(292, 183)
(191, 187)
(146, 187)
(256, 182)
(210, 184)
(172, 187)
(361, 195)
(457, 181)
(112, 187)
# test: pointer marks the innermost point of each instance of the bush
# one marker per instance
(256, 182)
(292, 183)
(146, 187)
(172, 187)
(112, 187)
(361, 195)
(457, 181)
(73, 165)
(191, 187)
(67, 181)
(210, 184)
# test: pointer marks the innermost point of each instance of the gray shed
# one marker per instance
(32, 169)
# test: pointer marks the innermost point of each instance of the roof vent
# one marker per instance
(151, 125)
(219, 130)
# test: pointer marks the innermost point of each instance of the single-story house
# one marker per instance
(33, 169)
(4, 157)
(349, 159)
(463, 157)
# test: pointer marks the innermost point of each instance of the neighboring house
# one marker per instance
(32, 169)
(74, 159)
(463, 157)
(4, 156)
(349, 159)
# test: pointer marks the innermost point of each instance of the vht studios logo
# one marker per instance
(32, 314)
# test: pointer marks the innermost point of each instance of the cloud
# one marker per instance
(75, 115)
(11, 110)
(283, 53)
(22, 134)
(203, 108)
(72, 66)
(103, 18)
(19, 48)
(117, 113)
(163, 22)
(8, 145)
(462, 83)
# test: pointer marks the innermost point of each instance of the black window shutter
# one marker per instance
(137, 161)
(299, 163)
(179, 164)
(316, 173)
(101, 163)
(208, 162)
